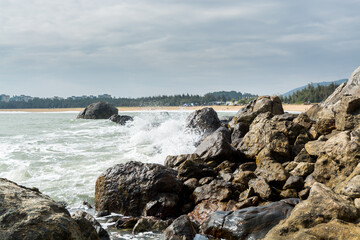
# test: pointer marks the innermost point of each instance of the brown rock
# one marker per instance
(325, 125)
(261, 187)
(303, 169)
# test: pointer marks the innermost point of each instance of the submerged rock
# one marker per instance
(98, 110)
(120, 119)
(136, 189)
(30, 215)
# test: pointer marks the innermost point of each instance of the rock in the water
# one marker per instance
(322, 206)
(98, 110)
(82, 218)
(120, 119)
(30, 215)
(204, 120)
(247, 223)
(217, 147)
(180, 229)
(135, 187)
(147, 224)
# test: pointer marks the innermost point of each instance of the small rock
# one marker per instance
(295, 182)
(181, 228)
(303, 169)
(261, 187)
(120, 119)
(289, 193)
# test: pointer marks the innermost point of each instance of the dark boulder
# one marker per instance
(147, 224)
(204, 120)
(82, 218)
(98, 110)
(181, 228)
(136, 188)
(248, 223)
(120, 119)
(28, 214)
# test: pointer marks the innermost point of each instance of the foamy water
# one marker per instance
(63, 156)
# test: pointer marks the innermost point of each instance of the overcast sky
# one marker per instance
(136, 48)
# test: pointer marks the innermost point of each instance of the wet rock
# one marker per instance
(120, 119)
(147, 224)
(204, 120)
(217, 147)
(126, 222)
(128, 188)
(82, 218)
(175, 161)
(217, 189)
(181, 228)
(322, 206)
(294, 182)
(28, 214)
(247, 223)
(261, 187)
(98, 110)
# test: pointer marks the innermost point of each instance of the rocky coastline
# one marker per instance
(263, 174)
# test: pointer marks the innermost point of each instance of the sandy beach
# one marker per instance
(287, 107)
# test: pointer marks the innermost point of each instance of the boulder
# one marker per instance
(273, 172)
(325, 125)
(175, 161)
(347, 115)
(136, 188)
(120, 119)
(247, 223)
(205, 121)
(217, 189)
(321, 207)
(82, 218)
(194, 169)
(27, 214)
(261, 188)
(98, 110)
(217, 147)
(260, 105)
(181, 228)
(239, 131)
(147, 224)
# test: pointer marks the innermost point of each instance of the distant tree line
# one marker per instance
(174, 100)
(310, 94)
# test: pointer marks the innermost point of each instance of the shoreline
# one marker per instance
(287, 107)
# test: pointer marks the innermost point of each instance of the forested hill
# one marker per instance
(310, 94)
(231, 95)
(338, 82)
(174, 100)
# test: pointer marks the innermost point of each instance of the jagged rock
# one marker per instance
(205, 180)
(27, 214)
(247, 223)
(243, 177)
(304, 194)
(175, 161)
(204, 120)
(347, 113)
(273, 172)
(260, 105)
(205, 208)
(181, 228)
(289, 193)
(131, 187)
(191, 184)
(304, 120)
(217, 147)
(147, 224)
(98, 110)
(82, 218)
(325, 125)
(126, 222)
(226, 166)
(303, 169)
(261, 187)
(295, 182)
(217, 189)
(291, 166)
(249, 202)
(322, 206)
(271, 137)
(352, 188)
(249, 166)
(120, 119)
(191, 169)
(250, 192)
(239, 131)
(303, 156)
(357, 203)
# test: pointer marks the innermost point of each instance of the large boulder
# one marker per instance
(262, 104)
(30, 215)
(204, 121)
(322, 206)
(136, 189)
(247, 223)
(98, 110)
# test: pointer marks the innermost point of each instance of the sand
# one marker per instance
(287, 107)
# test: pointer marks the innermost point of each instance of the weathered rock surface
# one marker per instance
(120, 119)
(217, 189)
(260, 105)
(352, 188)
(321, 207)
(147, 224)
(261, 188)
(83, 218)
(248, 223)
(180, 229)
(98, 110)
(135, 188)
(204, 120)
(30, 215)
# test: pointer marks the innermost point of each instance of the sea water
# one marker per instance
(63, 156)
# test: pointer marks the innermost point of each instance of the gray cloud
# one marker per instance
(136, 48)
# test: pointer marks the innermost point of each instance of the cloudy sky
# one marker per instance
(146, 47)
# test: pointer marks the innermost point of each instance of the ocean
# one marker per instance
(62, 156)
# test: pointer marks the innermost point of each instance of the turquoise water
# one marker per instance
(63, 156)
